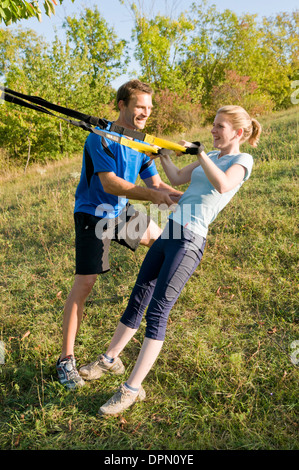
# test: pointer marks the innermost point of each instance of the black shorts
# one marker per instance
(94, 235)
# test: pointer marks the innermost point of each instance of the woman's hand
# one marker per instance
(186, 144)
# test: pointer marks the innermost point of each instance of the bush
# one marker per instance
(173, 113)
(239, 90)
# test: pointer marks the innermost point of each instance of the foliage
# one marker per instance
(174, 112)
(241, 91)
(12, 11)
(223, 42)
(196, 61)
(161, 44)
(194, 53)
(281, 46)
(96, 43)
(59, 73)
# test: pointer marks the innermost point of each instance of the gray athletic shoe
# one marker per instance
(121, 400)
(100, 366)
(68, 374)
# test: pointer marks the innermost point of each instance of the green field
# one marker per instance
(227, 376)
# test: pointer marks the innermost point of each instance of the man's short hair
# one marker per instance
(131, 87)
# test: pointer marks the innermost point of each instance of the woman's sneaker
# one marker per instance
(68, 374)
(121, 400)
(100, 366)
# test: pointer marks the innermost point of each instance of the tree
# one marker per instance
(103, 57)
(12, 11)
(265, 52)
(241, 91)
(60, 73)
(281, 43)
(161, 44)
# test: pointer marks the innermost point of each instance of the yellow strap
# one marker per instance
(154, 143)
(140, 147)
(162, 143)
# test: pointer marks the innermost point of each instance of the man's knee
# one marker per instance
(151, 234)
(84, 283)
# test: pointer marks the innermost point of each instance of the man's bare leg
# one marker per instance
(73, 311)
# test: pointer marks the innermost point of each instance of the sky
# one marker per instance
(120, 17)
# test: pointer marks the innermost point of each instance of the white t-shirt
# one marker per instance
(201, 202)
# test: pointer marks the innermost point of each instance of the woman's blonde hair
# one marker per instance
(240, 119)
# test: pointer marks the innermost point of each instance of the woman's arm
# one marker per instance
(222, 181)
(176, 175)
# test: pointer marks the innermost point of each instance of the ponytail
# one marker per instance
(256, 132)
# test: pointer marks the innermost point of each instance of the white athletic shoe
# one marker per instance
(121, 400)
(100, 366)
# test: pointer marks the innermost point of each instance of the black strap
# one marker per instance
(83, 124)
(127, 132)
(12, 99)
(42, 105)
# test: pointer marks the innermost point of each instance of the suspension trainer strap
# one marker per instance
(149, 139)
(102, 123)
(86, 122)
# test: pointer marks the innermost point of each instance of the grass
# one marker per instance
(225, 378)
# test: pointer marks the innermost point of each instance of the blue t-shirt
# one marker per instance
(201, 202)
(103, 155)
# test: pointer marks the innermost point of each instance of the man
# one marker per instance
(108, 177)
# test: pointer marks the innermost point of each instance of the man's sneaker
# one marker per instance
(96, 369)
(68, 374)
(121, 400)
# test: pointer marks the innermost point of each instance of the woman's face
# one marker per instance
(224, 136)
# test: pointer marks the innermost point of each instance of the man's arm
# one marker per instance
(155, 182)
(113, 184)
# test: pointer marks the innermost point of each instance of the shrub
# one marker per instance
(173, 113)
(239, 90)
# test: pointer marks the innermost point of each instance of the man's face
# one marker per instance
(137, 111)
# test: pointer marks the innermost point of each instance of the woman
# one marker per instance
(215, 178)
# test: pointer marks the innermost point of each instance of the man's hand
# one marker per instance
(176, 196)
(156, 191)
(161, 197)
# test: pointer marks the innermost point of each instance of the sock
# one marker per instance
(132, 389)
(108, 358)
(66, 358)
